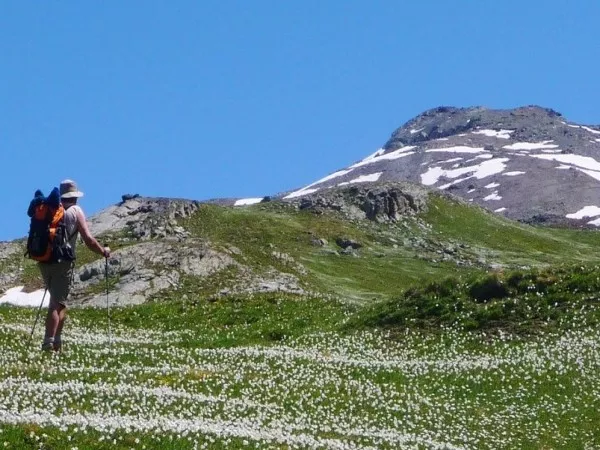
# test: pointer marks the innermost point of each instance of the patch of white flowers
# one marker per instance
(446, 391)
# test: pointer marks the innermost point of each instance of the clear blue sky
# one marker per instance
(206, 99)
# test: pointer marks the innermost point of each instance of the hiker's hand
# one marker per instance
(106, 252)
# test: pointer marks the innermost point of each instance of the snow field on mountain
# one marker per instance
(501, 134)
(247, 201)
(478, 171)
(449, 390)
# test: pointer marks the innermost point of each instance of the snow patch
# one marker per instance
(563, 167)
(484, 156)
(592, 173)
(300, 193)
(492, 185)
(307, 189)
(500, 210)
(363, 179)
(479, 171)
(586, 211)
(513, 174)
(591, 130)
(500, 134)
(413, 131)
(531, 146)
(493, 196)
(17, 297)
(471, 190)
(400, 153)
(585, 162)
(379, 152)
(452, 160)
(247, 201)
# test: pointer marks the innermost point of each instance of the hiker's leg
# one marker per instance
(62, 315)
(60, 285)
(53, 319)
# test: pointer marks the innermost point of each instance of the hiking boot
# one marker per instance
(47, 346)
(57, 347)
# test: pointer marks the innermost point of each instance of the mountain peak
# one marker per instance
(527, 163)
(445, 121)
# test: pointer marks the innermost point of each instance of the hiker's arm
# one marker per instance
(87, 237)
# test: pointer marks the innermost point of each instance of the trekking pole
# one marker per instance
(107, 304)
(37, 317)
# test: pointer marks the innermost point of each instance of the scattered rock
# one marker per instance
(345, 243)
(126, 197)
(349, 251)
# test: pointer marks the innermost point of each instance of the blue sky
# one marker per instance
(243, 99)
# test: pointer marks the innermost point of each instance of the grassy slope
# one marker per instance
(258, 231)
(507, 241)
(383, 270)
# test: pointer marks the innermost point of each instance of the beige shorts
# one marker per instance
(58, 278)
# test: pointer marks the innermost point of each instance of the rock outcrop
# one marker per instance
(380, 202)
(144, 217)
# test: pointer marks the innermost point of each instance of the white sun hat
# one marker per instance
(68, 189)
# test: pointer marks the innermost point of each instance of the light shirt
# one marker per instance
(71, 224)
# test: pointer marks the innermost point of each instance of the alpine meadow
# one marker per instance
(361, 314)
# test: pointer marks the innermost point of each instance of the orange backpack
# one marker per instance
(48, 240)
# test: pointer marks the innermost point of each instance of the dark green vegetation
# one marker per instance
(517, 302)
(507, 242)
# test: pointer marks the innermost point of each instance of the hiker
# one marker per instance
(58, 276)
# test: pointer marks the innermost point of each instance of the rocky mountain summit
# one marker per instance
(528, 163)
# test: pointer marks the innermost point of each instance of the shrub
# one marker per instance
(487, 288)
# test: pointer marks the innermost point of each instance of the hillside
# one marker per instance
(360, 243)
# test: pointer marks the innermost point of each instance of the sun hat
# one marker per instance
(68, 189)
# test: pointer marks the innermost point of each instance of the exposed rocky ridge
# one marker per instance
(530, 122)
(142, 270)
(144, 217)
(145, 269)
(528, 163)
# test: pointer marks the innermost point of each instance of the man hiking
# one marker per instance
(58, 276)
